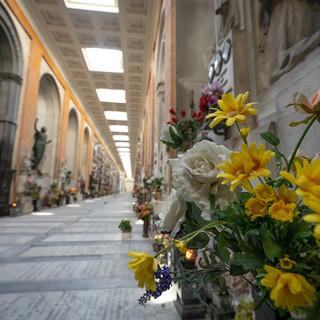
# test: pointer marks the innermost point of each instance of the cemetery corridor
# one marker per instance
(71, 263)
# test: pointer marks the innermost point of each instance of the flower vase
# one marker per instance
(145, 228)
(34, 202)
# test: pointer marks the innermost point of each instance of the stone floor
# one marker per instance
(71, 263)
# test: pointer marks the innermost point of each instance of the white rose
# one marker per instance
(194, 171)
(172, 213)
(166, 133)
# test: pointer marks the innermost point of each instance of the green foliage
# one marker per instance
(125, 225)
(157, 182)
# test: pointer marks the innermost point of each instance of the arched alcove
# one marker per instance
(10, 84)
(85, 154)
(48, 111)
(72, 146)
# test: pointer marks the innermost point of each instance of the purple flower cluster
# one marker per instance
(210, 95)
(163, 283)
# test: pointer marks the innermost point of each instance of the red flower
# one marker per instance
(172, 111)
(168, 122)
(183, 113)
(199, 114)
(174, 120)
(200, 119)
(194, 114)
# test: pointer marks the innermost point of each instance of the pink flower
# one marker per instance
(302, 99)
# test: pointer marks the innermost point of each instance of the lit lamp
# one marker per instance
(190, 254)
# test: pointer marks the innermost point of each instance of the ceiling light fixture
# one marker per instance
(123, 149)
(122, 144)
(103, 60)
(93, 5)
(118, 128)
(120, 138)
(116, 115)
(109, 95)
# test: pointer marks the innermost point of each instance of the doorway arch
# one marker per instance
(85, 155)
(72, 146)
(10, 85)
(48, 111)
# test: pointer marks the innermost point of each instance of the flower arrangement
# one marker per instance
(242, 221)
(210, 96)
(187, 127)
(160, 240)
(144, 211)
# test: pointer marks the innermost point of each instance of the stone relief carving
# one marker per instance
(231, 16)
(291, 30)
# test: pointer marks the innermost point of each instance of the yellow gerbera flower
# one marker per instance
(287, 263)
(288, 196)
(232, 109)
(288, 290)
(182, 246)
(260, 158)
(144, 266)
(316, 219)
(308, 176)
(255, 208)
(247, 164)
(265, 193)
(283, 211)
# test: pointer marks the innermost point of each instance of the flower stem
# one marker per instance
(242, 136)
(191, 235)
(300, 141)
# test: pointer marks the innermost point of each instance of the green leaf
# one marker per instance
(302, 106)
(305, 121)
(175, 138)
(169, 144)
(237, 270)
(316, 108)
(270, 247)
(200, 241)
(222, 245)
(247, 262)
(270, 137)
(245, 196)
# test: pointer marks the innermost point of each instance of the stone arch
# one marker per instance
(85, 155)
(10, 85)
(48, 112)
(72, 146)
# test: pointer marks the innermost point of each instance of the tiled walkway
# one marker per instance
(71, 263)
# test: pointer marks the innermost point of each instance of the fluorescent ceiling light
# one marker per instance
(120, 138)
(118, 128)
(110, 95)
(94, 5)
(123, 149)
(103, 60)
(123, 153)
(122, 144)
(116, 115)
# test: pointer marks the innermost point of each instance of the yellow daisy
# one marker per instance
(265, 193)
(282, 211)
(247, 164)
(255, 208)
(287, 263)
(144, 266)
(288, 196)
(288, 290)
(232, 109)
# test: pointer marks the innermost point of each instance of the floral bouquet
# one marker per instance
(144, 210)
(187, 127)
(243, 222)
